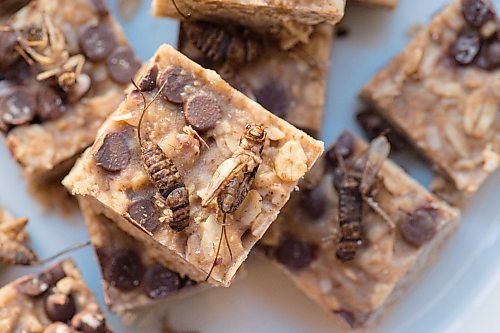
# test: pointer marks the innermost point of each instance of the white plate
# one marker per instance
(457, 295)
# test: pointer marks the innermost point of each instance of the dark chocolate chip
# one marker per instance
(8, 42)
(97, 41)
(374, 125)
(89, 322)
(100, 7)
(144, 213)
(53, 275)
(32, 287)
(419, 227)
(114, 154)
(124, 270)
(313, 202)
(20, 72)
(159, 281)
(202, 112)
(60, 307)
(274, 97)
(148, 81)
(477, 12)
(294, 254)
(173, 82)
(493, 55)
(466, 47)
(347, 316)
(19, 107)
(50, 105)
(122, 64)
(344, 146)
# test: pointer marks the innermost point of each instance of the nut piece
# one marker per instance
(291, 163)
(480, 111)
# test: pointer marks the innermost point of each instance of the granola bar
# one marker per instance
(315, 235)
(196, 123)
(290, 21)
(63, 68)
(132, 277)
(56, 300)
(13, 237)
(443, 93)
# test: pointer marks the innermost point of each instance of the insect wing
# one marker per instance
(244, 187)
(377, 152)
(224, 172)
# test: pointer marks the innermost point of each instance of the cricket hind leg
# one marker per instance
(377, 209)
(223, 234)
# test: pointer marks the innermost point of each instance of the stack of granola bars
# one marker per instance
(183, 163)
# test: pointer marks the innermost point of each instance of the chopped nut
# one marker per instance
(457, 140)
(291, 162)
(250, 208)
(480, 112)
(274, 133)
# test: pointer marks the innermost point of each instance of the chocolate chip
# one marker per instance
(97, 41)
(493, 55)
(19, 107)
(50, 105)
(100, 7)
(53, 275)
(144, 213)
(124, 270)
(419, 227)
(294, 254)
(122, 64)
(374, 125)
(60, 307)
(173, 82)
(477, 12)
(159, 281)
(466, 47)
(313, 202)
(89, 322)
(114, 154)
(32, 287)
(8, 42)
(202, 112)
(274, 97)
(347, 316)
(344, 146)
(148, 81)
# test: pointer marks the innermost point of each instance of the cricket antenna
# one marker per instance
(63, 252)
(146, 106)
(223, 233)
